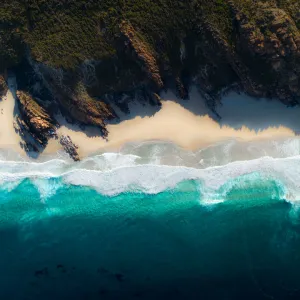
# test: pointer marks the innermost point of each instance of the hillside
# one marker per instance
(86, 54)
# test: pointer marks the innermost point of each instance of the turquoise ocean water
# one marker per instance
(110, 228)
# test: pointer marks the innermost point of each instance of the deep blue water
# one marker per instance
(79, 244)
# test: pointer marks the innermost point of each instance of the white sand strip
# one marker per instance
(189, 125)
(9, 138)
(185, 123)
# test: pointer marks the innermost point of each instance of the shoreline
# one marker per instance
(186, 123)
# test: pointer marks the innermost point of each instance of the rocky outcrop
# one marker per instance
(181, 89)
(3, 86)
(271, 40)
(69, 147)
(35, 120)
(273, 33)
(155, 100)
(73, 99)
(143, 52)
(232, 58)
(83, 108)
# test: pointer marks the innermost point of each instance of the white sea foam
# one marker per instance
(157, 178)
(150, 168)
(45, 187)
(112, 174)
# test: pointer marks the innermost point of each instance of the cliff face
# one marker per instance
(72, 98)
(83, 108)
(143, 54)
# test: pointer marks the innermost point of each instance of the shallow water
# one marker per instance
(119, 226)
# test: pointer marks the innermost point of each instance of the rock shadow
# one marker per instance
(240, 110)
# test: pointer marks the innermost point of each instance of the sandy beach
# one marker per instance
(187, 123)
(9, 138)
(190, 125)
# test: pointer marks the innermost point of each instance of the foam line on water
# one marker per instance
(111, 176)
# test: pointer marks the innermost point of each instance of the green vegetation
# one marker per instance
(12, 23)
(63, 33)
(292, 7)
(218, 42)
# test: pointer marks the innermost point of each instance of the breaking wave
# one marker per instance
(150, 170)
(153, 221)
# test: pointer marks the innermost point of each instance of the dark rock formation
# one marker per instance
(229, 55)
(34, 119)
(181, 89)
(73, 99)
(3, 86)
(155, 99)
(69, 147)
(85, 109)
(41, 273)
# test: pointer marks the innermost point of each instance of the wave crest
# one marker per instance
(113, 173)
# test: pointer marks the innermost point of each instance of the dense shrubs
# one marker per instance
(63, 33)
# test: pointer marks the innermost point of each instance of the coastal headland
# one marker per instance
(85, 75)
